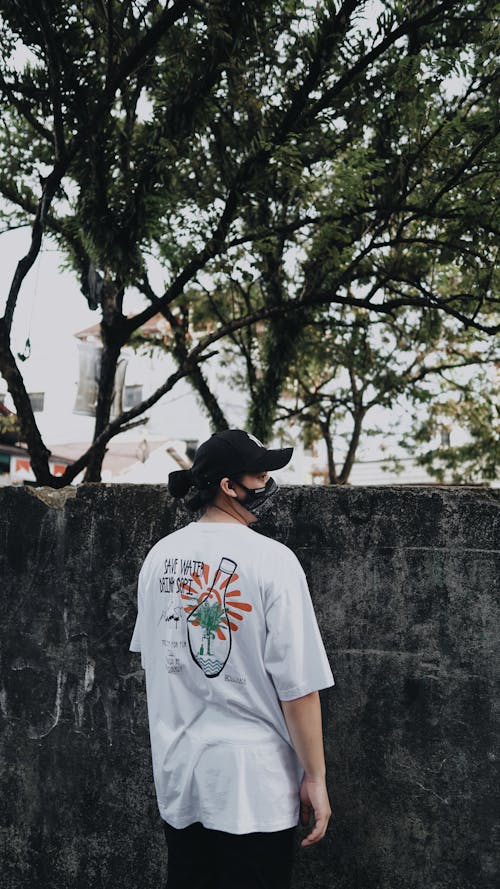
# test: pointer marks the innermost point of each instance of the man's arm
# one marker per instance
(303, 719)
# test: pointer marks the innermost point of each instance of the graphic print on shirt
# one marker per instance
(211, 615)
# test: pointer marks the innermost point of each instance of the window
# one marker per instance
(37, 399)
(117, 405)
(191, 446)
(89, 360)
(132, 396)
(445, 438)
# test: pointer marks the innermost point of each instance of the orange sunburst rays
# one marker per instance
(198, 589)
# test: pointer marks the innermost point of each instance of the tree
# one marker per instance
(405, 189)
(224, 134)
(473, 407)
(347, 368)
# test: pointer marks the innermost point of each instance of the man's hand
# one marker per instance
(314, 801)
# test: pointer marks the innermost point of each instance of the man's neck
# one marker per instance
(216, 513)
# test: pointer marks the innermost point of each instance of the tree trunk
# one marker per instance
(212, 406)
(180, 330)
(39, 453)
(353, 445)
(327, 436)
(109, 361)
(111, 333)
(280, 349)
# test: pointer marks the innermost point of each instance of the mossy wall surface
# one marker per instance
(405, 586)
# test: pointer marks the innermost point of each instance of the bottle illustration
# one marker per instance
(208, 625)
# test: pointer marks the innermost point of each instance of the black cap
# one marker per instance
(233, 452)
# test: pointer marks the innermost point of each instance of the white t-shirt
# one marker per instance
(226, 629)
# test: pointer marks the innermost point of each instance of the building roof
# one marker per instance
(157, 326)
(119, 456)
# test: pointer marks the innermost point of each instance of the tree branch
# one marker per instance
(377, 51)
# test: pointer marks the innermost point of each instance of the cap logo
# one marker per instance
(256, 440)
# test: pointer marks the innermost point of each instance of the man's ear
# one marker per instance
(226, 486)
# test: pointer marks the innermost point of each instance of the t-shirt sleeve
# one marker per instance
(295, 656)
(136, 643)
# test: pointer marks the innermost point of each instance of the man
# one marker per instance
(234, 661)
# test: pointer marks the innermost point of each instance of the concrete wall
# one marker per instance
(405, 583)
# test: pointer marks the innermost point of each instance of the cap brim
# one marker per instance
(273, 459)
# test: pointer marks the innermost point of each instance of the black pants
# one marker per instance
(199, 858)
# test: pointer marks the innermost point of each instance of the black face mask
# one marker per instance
(258, 500)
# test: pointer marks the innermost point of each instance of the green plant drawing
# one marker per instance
(210, 617)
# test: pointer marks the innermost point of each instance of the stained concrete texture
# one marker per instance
(405, 586)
